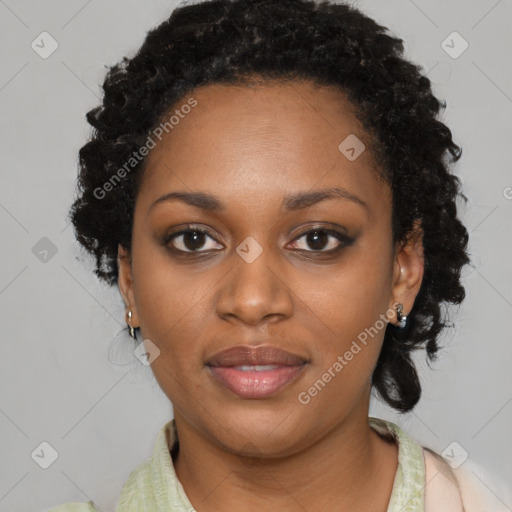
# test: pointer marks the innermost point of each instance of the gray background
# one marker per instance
(64, 376)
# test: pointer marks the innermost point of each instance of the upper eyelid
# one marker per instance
(330, 231)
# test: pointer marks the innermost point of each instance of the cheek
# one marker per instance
(346, 348)
(349, 310)
(172, 303)
(350, 296)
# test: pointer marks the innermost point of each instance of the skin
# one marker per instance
(251, 146)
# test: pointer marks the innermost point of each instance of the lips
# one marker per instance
(261, 355)
(255, 372)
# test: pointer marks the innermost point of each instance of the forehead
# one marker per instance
(259, 142)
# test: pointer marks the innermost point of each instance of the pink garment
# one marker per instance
(469, 488)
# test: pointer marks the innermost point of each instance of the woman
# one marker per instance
(269, 186)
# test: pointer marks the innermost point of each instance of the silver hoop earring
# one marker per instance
(132, 330)
(402, 319)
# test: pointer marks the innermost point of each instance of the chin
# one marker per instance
(262, 429)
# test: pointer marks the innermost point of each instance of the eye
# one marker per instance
(318, 239)
(189, 240)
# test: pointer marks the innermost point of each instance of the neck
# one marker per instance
(350, 468)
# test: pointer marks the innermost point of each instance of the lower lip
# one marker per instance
(253, 384)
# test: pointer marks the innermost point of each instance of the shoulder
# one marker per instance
(449, 484)
(469, 486)
(74, 507)
(136, 494)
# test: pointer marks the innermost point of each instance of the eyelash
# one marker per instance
(345, 240)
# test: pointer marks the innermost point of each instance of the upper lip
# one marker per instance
(241, 355)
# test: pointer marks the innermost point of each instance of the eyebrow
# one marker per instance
(291, 202)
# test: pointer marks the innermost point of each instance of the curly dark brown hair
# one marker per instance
(229, 41)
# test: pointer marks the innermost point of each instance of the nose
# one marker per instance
(255, 291)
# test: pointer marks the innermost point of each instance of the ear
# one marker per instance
(408, 270)
(125, 284)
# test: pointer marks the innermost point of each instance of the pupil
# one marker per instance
(195, 236)
(315, 238)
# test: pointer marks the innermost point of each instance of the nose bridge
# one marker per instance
(253, 289)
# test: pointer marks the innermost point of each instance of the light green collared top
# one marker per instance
(154, 487)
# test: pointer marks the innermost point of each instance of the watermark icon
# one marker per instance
(304, 397)
(454, 45)
(351, 147)
(507, 192)
(249, 249)
(455, 455)
(44, 250)
(44, 455)
(44, 45)
(146, 352)
(139, 155)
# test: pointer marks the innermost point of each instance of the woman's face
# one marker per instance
(256, 277)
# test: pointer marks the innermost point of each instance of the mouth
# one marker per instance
(255, 372)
